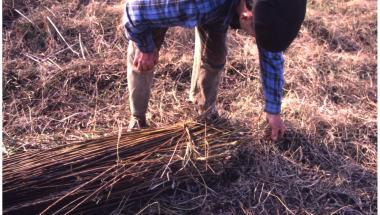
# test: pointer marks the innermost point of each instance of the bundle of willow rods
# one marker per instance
(93, 177)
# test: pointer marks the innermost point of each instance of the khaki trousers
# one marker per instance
(209, 58)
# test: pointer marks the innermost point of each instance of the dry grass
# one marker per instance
(327, 162)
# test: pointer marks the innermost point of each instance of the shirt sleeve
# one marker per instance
(272, 77)
(140, 34)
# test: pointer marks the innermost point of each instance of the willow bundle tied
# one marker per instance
(97, 175)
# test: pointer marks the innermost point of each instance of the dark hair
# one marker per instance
(249, 4)
(277, 22)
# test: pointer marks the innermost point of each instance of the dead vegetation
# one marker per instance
(64, 79)
(120, 174)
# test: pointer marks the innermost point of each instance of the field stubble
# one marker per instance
(54, 94)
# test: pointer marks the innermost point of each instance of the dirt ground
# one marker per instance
(64, 80)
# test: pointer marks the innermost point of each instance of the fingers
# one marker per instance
(136, 60)
(145, 66)
(278, 132)
(144, 62)
(277, 126)
(149, 64)
(156, 57)
(282, 132)
(141, 67)
(275, 132)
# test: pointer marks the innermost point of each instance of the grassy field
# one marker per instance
(64, 80)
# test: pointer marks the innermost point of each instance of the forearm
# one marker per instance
(271, 64)
(140, 33)
(143, 41)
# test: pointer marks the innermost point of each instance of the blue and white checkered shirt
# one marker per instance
(142, 16)
(272, 77)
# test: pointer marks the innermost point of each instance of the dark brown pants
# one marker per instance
(209, 59)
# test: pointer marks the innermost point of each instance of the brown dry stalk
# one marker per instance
(67, 179)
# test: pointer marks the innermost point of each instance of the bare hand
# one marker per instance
(145, 61)
(277, 125)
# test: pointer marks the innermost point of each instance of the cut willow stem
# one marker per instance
(82, 177)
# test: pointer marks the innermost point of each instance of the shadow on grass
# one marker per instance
(299, 174)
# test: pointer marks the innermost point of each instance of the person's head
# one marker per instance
(274, 23)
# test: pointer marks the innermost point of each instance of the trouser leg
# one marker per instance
(209, 60)
(140, 83)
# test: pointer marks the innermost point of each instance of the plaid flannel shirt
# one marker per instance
(272, 77)
(141, 16)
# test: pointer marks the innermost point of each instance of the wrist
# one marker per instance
(271, 115)
(272, 107)
(153, 52)
(146, 49)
